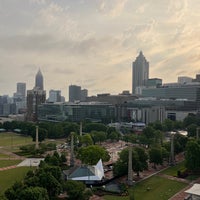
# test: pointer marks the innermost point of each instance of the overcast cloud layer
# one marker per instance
(92, 43)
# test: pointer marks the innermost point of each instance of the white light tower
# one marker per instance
(172, 158)
(36, 139)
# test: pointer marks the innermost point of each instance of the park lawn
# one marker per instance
(9, 177)
(6, 163)
(11, 140)
(159, 189)
(172, 171)
(2, 155)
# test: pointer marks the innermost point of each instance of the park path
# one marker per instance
(181, 195)
(7, 168)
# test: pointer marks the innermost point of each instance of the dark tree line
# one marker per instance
(46, 183)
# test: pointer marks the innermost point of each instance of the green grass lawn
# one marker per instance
(172, 171)
(8, 177)
(159, 189)
(4, 155)
(6, 163)
(13, 139)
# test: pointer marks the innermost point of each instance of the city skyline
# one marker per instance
(93, 43)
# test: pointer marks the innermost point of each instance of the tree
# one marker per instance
(94, 127)
(190, 119)
(155, 156)
(20, 191)
(157, 125)
(13, 192)
(139, 161)
(192, 155)
(180, 142)
(42, 134)
(192, 128)
(70, 127)
(113, 136)
(92, 154)
(75, 190)
(86, 140)
(142, 162)
(34, 193)
(165, 153)
(98, 136)
(168, 125)
(50, 183)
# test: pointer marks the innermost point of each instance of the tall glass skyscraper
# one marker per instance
(39, 80)
(140, 72)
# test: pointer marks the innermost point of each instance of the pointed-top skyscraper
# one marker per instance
(39, 80)
(140, 72)
(35, 97)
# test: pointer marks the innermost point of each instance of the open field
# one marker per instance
(8, 177)
(154, 188)
(11, 141)
(6, 163)
(172, 171)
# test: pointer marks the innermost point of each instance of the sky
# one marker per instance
(92, 43)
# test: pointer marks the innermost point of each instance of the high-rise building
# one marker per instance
(35, 97)
(140, 72)
(39, 80)
(74, 93)
(20, 97)
(184, 79)
(54, 96)
(21, 90)
(84, 94)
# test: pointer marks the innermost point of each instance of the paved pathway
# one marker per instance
(6, 168)
(181, 195)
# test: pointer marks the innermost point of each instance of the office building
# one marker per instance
(94, 111)
(140, 73)
(54, 96)
(21, 91)
(84, 94)
(154, 82)
(39, 80)
(184, 79)
(74, 93)
(35, 97)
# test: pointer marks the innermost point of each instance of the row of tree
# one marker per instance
(46, 183)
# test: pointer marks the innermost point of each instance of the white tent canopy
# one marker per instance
(194, 190)
(89, 173)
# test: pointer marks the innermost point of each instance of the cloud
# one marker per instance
(40, 2)
(112, 8)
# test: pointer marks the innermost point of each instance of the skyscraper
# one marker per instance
(74, 93)
(39, 80)
(140, 72)
(35, 97)
(54, 96)
(21, 89)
